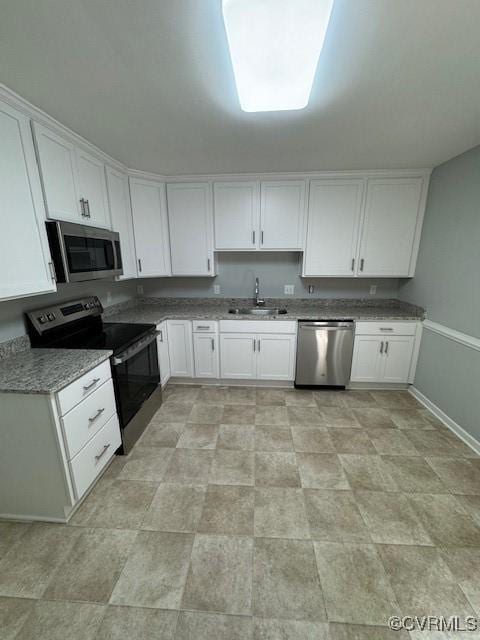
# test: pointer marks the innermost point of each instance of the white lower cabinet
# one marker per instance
(163, 355)
(205, 352)
(276, 357)
(180, 348)
(238, 358)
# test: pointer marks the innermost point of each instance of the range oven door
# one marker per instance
(136, 378)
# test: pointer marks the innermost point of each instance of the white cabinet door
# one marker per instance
(191, 229)
(367, 362)
(333, 223)
(121, 217)
(236, 209)
(205, 352)
(58, 170)
(93, 189)
(398, 352)
(282, 214)
(238, 356)
(150, 226)
(276, 357)
(163, 355)
(24, 253)
(180, 348)
(392, 213)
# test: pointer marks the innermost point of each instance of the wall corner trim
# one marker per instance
(452, 334)
(459, 431)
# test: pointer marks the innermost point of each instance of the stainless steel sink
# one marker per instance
(258, 311)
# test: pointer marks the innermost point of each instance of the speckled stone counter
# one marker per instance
(155, 310)
(47, 370)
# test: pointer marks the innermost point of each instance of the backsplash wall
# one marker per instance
(236, 278)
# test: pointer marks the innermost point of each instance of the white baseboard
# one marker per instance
(459, 431)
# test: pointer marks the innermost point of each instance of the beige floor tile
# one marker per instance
(160, 434)
(241, 395)
(228, 510)
(464, 563)
(367, 473)
(300, 398)
(181, 393)
(220, 575)
(275, 629)
(156, 570)
(147, 464)
(175, 507)
(393, 399)
(312, 440)
(206, 413)
(236, 436)
(212, 395)
(286, 583)
(471, 504)
(334, 516)
(28, 565)
(363, 632)
(210, 626)
(271, 415)
(360, 400)
(351, 441)
(117, 504)
(92, 567)
(340, 417)
(321, 471)
(273, 439)
(199, 436)
(280, 513)
(238, 414)
(391, 442)
(115, 467)
(460, 476)
(270, 397)
(409, 419)
(445, 520)
(354, 583)
(390, 518)
(189, 466)
(413, 474)
(435, 442)
(374, 418)
(329, 398)
(131, 623)
(173, 412)
(13, 614)
(304, 416)
(60, 620)
(11, 532)
(274, 469)
(433, 591)
(232, 467)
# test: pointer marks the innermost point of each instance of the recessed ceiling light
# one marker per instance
(275, 46)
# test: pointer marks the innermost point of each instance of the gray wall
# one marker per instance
(237, 272)
(447, 284)
(11, 313)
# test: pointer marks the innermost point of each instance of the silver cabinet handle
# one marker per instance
(381, 347)
(259, 346)
(254, 345)
(208, 264)
(82, 208)
(261, 239)
(253, 237)
(88, 208)
(92, 384)
(353, 264)
(213, 344)
(386, 348)
(386, 328)
(203, 326)
(96, 416)
(52, 271)
(362, 262)
(139, 265)
(160, 335)
(106, 447)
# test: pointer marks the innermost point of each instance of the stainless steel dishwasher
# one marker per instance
(324, 353)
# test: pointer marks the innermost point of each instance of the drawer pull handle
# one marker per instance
(386, 348)
(106, 447)
(381, 347)
(97, 415)
(386, 328)
(86, 387)
(203, 326)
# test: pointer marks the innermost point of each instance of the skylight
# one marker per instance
(275, 46)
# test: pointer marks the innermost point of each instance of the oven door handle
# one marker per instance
(123, 357)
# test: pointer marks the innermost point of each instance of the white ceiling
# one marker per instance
(150, 82)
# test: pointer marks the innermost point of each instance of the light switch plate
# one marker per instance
(289, 289)
(373, 289)
(216, 289)
(140, 289)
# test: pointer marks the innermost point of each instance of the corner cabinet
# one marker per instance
(27, 271)
(150, 226)
(121, 216)
(191, 229)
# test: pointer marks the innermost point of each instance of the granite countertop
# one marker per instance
(47, 370)
(155, 310)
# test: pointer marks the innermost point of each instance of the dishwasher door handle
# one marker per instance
(318, 327)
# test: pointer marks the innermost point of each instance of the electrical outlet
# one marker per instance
(311, 288)
(109, 297)
(289, 289)
(140, 289)
(216, 289)
(373, 289)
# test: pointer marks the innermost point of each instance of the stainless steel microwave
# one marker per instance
(82, 253)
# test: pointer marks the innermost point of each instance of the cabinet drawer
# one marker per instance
(386, 328)
(73, 394)
(94, 456)
(204, 326)
(88, 417)
(258, 326)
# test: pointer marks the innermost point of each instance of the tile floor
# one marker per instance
(258, 514)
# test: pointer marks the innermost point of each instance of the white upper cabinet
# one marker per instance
(282, 213)
(24, 253)
(391, 227)
(58, 170)
(191, 229)
(150, 226)
(334, 212)
(92, 189)
(236, 213)
(121, 217)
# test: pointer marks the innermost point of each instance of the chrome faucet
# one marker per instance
(258, 301)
